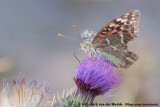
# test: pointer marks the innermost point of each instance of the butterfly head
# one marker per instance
(87, 37)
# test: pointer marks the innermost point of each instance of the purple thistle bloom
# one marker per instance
(95, 76)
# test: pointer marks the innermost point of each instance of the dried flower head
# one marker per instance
(95, 76)
(23, 95)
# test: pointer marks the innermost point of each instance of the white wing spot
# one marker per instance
(122, 37)
(132, 35)
(108, 41)
(111, 25)
(124, 20)
(114, 48)
(119, 19)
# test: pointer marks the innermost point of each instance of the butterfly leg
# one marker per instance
(92, 53)
(75, 54)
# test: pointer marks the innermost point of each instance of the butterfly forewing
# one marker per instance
(126, 23)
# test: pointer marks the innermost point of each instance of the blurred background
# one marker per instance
(29, 44)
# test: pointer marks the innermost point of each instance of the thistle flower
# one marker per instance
(24, 95)
(95, 76)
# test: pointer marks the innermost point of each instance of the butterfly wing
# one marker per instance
(111, 41)
(113, 47)
(126, 23)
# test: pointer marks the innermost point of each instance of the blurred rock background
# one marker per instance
(29, 44)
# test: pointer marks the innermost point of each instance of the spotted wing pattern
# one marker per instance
(126, 23)
(114, 48)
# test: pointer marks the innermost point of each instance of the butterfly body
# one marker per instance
(111, 41)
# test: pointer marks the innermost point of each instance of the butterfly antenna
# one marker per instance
(77, 32)
(75, 54)
(66, 37)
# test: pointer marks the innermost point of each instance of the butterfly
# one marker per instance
(111, 41)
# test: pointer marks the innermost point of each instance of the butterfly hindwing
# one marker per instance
(114, 48)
